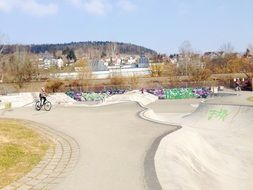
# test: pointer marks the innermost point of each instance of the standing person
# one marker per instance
(42, 96)
(237, 84)
(142, 90)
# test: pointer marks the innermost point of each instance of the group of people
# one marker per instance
(242, 84)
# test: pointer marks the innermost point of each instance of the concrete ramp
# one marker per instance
(220, 116)
(16, 100)
(135, 95)
(213, 150)
(60, 98)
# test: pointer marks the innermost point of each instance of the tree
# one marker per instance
(185, 48)
(198, 73)
(247, 66)
(103, 55)
(185, 51)
(227, 48)
(169, 70)
(2, 42)
(85, 73)
(71, 55)
(158, 58)
(186, 58)
(20, 68)
(156, 70)
(2, 62)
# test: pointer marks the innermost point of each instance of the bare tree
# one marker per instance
(186, 51)
(185, 48)
(2, 42)
(113, 49)
(85, 73)
(3, 39)
(227, 48)
(19, 68)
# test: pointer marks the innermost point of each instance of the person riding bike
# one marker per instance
(43, 96)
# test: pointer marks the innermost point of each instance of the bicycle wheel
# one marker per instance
(37, 106)
(47, 106)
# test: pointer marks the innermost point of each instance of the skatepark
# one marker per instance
(135, 141)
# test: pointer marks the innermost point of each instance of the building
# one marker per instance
(48, 62)
(143, 62)
(98, 65)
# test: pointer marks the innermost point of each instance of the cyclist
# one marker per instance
(42, 96)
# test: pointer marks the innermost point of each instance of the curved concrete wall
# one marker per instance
(213, 150)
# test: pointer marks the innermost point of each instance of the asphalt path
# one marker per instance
(117, 147)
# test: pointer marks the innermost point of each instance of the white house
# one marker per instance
(60, 63)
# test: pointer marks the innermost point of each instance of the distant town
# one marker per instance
(127, 65)
(105, 60)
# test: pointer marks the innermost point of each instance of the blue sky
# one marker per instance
(162, 25)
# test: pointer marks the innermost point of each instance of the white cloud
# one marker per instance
(32, 7)
(6, 5)
(127, 5)
(96, 7)
(102, 7)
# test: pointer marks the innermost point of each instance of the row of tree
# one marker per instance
(19, 67)
(22, 66)
(86, 48)
(199, 67)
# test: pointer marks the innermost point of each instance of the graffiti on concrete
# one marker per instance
(179, 93)
(220, 114)
(93, 96)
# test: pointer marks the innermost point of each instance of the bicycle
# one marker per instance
(47, 105)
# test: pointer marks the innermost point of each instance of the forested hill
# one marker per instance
(87, 47)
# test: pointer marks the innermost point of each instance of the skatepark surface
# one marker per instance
(200, 145)
(113, 143)
(212, 150)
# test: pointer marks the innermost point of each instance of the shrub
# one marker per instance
(134, 81)
(117, 80)
(54, 85)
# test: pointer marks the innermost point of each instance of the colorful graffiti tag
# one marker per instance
(220, 114)
(93, 96)
(179, 93)
(79, 96)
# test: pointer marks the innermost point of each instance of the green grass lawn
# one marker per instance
(21, 148)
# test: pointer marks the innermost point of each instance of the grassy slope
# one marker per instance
(20, 150)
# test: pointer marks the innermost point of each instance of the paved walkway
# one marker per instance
(114, 143)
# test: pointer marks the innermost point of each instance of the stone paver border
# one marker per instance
(58, 162)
